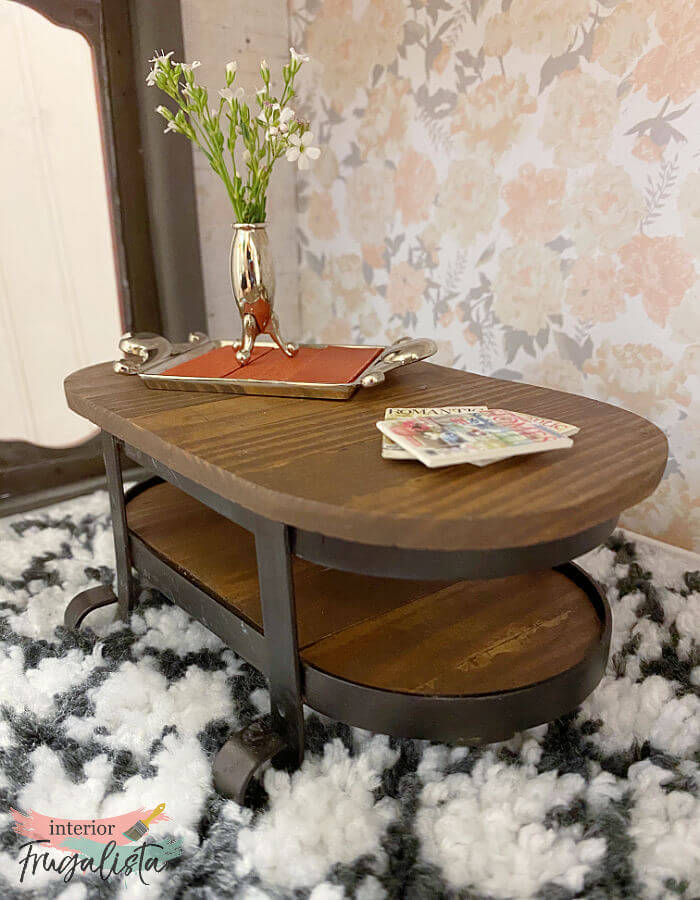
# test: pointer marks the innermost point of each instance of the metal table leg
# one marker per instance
(95, 598)
(85, 602)
(244, 753)
(117, 505)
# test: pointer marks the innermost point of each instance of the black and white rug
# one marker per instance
(603, 803)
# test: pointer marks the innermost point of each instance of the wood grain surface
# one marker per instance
(415, 637)
(316, 464)
(219, 556)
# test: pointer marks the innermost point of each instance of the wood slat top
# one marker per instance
(316, 464)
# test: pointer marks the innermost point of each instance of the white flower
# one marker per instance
(298, 57)
(231, 67)
(171, 126)
(164, 111)
(187, 67)
(301, 150)
(282, 125)
(162, 59)
(227, 94)
(264, 65)
(151, 78)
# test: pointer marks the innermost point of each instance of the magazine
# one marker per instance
(485, 435)
(391, 450)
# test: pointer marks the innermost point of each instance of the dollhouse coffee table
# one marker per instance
(436, 604)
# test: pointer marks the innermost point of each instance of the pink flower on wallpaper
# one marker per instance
(404, 292)
(369, 203)
(348, 282)
(498, 35)
(321, 217)
(415, 185)
(620, 37)
(593, 291)
(468, 200)
(339, 331)
(673, 68)
(536, 26)
(373, 254)
(552, 371)
(668, 72)
(493, 113)
(534, 204)
(386, 119)
(639, 377)
(528, 287)
(347, 48)
(547, 26)
(647, 150)
(603, 210)
(580, 117)
(660, 270)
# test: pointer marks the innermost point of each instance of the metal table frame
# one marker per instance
(479, 718)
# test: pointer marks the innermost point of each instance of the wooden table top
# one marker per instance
(316, 464)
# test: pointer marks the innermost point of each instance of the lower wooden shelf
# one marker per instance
(421, 638)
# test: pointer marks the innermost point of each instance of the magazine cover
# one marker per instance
(484, 435)
(391, 450)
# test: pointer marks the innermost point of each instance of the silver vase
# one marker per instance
(253, 284)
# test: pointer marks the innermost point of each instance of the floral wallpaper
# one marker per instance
(521, 181)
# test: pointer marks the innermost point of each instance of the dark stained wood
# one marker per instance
(123, 146)
(424, 638)
(473, 637)
(316, 464)
(219, 556)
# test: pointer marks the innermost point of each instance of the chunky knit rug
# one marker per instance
(602, 803)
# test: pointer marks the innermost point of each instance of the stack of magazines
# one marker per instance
(446, 436)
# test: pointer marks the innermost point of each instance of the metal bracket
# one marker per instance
(85, 602)
(145, 349)
(241, 757)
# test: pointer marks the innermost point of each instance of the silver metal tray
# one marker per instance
(150, 355)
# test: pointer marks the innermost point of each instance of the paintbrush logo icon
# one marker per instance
(141, 827)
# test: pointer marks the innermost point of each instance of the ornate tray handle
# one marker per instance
(146, 349)
(406, 350)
